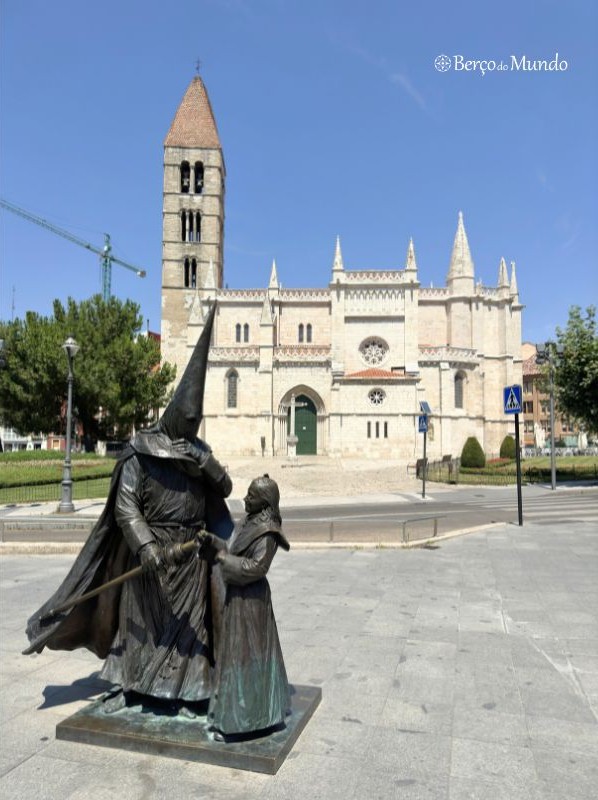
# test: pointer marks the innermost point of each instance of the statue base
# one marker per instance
(189, 739)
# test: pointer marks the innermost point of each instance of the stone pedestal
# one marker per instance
(292, 446)
(177, 737)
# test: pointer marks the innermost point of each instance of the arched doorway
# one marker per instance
(306, 425)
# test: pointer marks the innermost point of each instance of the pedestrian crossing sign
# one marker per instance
(422, 423)
(512, 399)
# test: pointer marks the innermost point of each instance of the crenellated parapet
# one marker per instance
(375, 301)
(234, 355)
(305, 295)
(460, 355)
(377, 276)
(308, 354)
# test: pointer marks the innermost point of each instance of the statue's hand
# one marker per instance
(211, 547)
(175, 555)
(198, 451)
(152, 558)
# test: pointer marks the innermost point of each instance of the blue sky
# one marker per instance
(333, 120)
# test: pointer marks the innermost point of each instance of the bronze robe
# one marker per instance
(157, 637)
(251, 690)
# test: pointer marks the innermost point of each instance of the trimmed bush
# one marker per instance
(507, 448)
(472, 454)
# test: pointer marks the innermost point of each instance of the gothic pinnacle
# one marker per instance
(411, 263)
(273, 276)
(461, 265)
(503, 280)
(338, 256)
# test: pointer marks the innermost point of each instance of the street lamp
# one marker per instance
(550, 353)
(71, 349)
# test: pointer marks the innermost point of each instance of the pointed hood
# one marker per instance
(182, 417)
(461, 265)
(194, 124)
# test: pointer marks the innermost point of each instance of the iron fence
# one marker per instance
(83, 489)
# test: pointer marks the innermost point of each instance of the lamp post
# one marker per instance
(550, 353)
(71, 348)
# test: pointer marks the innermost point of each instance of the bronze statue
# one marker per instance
(250, 690)
(157, 631)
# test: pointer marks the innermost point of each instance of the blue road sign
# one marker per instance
(512, 399)
(422, 423)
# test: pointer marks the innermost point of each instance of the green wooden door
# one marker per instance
(306, 426)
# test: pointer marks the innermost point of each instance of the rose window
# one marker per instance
(377, 397)
(373, 352)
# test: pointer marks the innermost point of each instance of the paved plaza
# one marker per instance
(465, 671)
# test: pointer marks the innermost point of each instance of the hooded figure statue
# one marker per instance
(156, 632)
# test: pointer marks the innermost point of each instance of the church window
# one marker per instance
(377, 396)
(232, 380)
(185, 177)
(193, 273)
(459, 383)
(377, 430)
(187, 273)
(386, 430)
(198, 227)
(190, 225)
(198, 172)
(373, 351)
(246, 332)
(369, 430)
(183, 226)
(301, 333)
(308, 332)
(238, 332)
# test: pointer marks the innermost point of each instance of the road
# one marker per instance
(455, 509)
(387, 520)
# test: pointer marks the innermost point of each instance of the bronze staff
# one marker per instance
(175, 554)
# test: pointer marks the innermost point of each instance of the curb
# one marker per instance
(67, 548)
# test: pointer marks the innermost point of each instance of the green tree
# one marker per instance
(118, 378)
(576, 373)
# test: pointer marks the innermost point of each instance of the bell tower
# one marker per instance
(192, 216)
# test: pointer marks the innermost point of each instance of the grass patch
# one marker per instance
(533, 470)
(29, 476)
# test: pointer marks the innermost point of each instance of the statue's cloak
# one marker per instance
(105, 556)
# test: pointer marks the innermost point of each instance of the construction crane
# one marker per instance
(105, 253)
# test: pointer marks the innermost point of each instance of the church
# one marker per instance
(338, 370)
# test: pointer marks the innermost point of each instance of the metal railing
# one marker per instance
(83, 489)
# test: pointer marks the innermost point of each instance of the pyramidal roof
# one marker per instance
(461, 262)
(194, 124)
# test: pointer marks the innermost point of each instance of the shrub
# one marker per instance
(472, 454)
(507, 448)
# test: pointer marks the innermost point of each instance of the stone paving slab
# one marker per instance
(469, 671)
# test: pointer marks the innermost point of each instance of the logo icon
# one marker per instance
(442, 63)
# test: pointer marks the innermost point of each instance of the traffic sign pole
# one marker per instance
(512, 403)
(425, 465)
(518, 462)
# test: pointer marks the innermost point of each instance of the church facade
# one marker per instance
(339, 370)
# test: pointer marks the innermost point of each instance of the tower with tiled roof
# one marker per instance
(193, 216)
